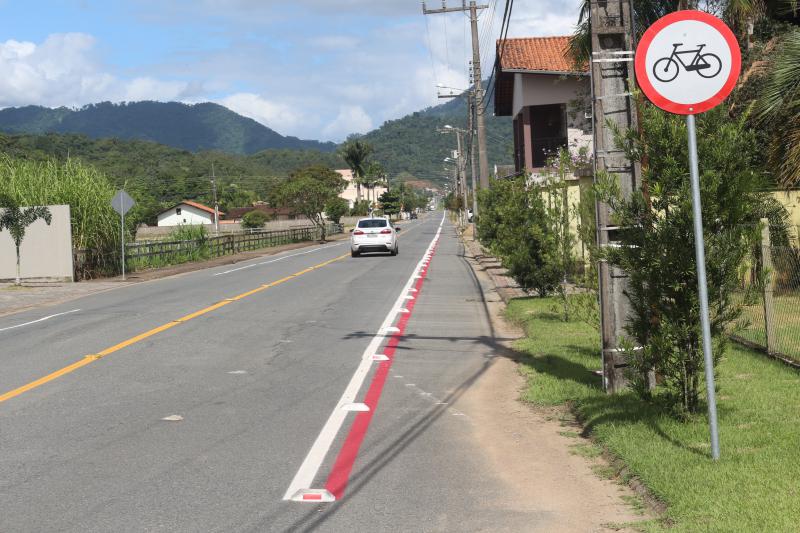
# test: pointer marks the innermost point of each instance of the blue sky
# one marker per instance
(317, 69)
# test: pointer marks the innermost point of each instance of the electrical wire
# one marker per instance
(498, 60)
(430, 51)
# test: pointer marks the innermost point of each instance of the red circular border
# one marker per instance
(643, 78)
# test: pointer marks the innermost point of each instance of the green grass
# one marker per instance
(787, 325)
(756, 484)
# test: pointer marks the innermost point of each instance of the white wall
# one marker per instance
(189, 215)
(546, 89)
(351, 192)
(46, 251)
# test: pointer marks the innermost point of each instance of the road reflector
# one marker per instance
(380, 357)
(403, 310)
(392, 329)
(173, 418)
(313, 496)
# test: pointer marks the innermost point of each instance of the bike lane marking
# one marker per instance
(300, 489)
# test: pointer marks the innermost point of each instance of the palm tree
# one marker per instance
(374, 175)
(16, 219)
(355, 153)
(778, 109)
(741, 14)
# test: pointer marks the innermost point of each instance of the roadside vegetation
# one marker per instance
(753, 488)
(748, 149)
(95, 225)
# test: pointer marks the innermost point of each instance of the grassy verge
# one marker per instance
(754, 487)
(787, 325)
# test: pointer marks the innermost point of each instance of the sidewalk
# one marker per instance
(506, 287)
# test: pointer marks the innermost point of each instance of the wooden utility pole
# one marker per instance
(473, 8)
(612, 79)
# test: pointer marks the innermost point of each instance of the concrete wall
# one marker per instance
(189, 215)
(46, 251)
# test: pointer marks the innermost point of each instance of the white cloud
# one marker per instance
(63, 71)
(351, 119)
(278, 116)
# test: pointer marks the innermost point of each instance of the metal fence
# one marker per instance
(770, 299)
(150, 254)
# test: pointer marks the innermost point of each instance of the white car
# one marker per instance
(373, 235)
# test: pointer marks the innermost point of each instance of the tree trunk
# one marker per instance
(358, 189)
(18, 280)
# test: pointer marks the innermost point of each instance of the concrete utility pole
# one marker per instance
(612, 79)
(216, 204)
(471, 129)
(476, 64)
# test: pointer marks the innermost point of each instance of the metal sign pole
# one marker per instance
(702, 289)
(122, 235)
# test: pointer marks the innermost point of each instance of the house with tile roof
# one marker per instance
(539, 85)
(187, 212)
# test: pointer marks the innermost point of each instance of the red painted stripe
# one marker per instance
(339, 477)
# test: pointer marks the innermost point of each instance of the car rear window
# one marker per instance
(373, 223)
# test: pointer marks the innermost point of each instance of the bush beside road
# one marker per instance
(754, 485)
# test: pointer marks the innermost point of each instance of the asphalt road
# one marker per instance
(254, 383)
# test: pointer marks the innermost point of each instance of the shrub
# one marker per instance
(514, 226)
(657, 245)
(360, 208)
(254, 219)
(336, 209)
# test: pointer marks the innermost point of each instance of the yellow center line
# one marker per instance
(133, 340)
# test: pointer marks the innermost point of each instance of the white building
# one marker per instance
(187, 212)
(351, 191)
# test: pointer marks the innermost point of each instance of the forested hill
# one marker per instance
(195, 127)
(413, 145)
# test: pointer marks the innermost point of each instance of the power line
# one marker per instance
(498, 60)
(430, 51)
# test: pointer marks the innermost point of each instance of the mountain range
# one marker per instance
(192, 127)
(410, 148)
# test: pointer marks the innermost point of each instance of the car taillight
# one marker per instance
(386, 231)
(358, 232)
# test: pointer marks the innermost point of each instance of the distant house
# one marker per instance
(547, 94)
(351, 191)
(187, 212)
(235, 214)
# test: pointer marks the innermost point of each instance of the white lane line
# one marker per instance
(278, 259)
(40, 320)
(316, 455)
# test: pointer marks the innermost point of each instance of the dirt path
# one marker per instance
(527, 448)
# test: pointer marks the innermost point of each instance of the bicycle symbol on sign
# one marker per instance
(707, 65)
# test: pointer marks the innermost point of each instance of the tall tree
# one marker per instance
(778, 110)
(355, 153)
(308, 191)
(15, 219)
(374, 176)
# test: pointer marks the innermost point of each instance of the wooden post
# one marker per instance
(769, 284)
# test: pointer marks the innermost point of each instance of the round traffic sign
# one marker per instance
(688, 62)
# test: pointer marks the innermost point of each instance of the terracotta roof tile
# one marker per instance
(201, 207)
(539, 54)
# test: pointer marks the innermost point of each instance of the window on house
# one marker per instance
(178, 211)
